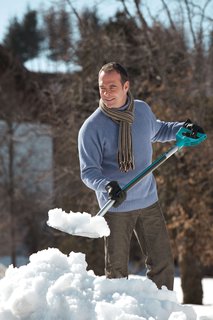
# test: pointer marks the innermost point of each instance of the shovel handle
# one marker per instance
(106, 208)
(154, 165)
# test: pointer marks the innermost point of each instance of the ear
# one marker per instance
(126, 86)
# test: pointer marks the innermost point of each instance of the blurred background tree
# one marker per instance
(58, 32)
(24, 38)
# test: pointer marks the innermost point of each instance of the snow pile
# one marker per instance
(56, 286)
(76, 223)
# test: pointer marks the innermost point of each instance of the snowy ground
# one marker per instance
(55, 286)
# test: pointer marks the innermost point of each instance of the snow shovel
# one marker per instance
(184, 138)
(90, 227)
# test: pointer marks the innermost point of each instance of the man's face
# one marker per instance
(112, 91)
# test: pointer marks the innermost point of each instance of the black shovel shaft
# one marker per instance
(154, 165)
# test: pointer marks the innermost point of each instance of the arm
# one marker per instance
(90, 147)
(167, 131)
(163, 131)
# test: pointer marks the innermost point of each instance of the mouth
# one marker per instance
(109, 100)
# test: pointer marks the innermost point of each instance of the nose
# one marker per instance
(106, 92)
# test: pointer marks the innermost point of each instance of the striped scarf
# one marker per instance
(125, 119)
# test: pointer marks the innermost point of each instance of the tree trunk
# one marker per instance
(11, 194)
(191, 278)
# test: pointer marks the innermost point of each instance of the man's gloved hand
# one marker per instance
(115, 193)
(194, 128)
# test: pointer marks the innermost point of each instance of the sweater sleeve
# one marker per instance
(163, 131)
(90, 147)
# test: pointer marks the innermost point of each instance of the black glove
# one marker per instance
(194, 128)
(115, 193)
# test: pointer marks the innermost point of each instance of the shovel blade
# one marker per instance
(78, 224)
(87, 234)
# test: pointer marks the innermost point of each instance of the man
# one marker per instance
(115, 144)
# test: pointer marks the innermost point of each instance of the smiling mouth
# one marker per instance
(109, 100)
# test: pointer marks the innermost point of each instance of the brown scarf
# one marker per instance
(125, 119)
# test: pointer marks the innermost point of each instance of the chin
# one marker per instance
(111, 106)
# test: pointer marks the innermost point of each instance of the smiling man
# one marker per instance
(113, 88)
(115, 145)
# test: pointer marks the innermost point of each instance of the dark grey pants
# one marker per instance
(149, 227)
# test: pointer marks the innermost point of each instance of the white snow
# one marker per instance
(54, 286)
(77, 223)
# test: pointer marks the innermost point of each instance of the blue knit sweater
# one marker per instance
(98, 146)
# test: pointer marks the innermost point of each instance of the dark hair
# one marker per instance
(115, 66)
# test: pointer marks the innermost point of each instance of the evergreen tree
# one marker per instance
(13, 38)
(31, 35)
(23, 38)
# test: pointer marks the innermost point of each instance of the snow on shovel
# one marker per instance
(83, 224)
(78, 224)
